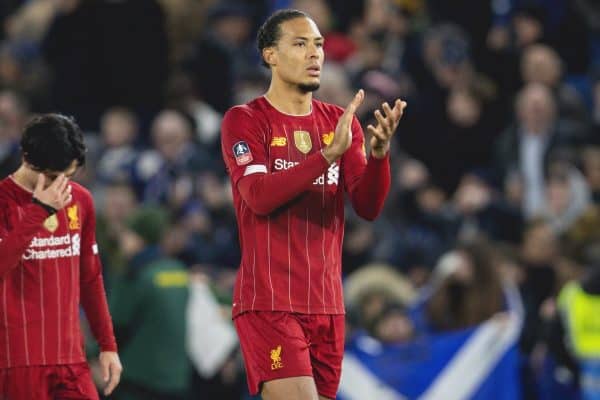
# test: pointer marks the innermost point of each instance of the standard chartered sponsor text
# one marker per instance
(51, 241)
(71, 247)
(333, 172)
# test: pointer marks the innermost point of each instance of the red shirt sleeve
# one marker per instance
(93, 296)
(263, 192)
(367, 183)
(14, 242)
(243, 143)
(266, 193)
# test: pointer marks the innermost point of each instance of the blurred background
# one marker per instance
(482, 277)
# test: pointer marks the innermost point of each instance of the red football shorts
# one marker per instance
(277, 344)
(47, 382)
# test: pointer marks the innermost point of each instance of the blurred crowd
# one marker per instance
(496, 166)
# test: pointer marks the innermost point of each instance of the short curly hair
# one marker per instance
(270, 32)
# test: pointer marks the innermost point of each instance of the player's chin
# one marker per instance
(310, 85)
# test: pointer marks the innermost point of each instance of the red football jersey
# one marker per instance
(291, 258)
(48, 267)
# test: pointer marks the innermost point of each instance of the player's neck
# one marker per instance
(289, 100)
(25, 177)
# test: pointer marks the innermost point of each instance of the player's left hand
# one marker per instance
(386, 126)
(111, 368)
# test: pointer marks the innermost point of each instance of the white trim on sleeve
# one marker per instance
(255, 169)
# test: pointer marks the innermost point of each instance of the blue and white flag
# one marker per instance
(478, 364)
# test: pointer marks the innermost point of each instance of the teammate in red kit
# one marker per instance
(291, 159)
(49, 265)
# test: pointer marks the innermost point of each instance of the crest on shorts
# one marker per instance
(51, 223)
(302, 141)
(276, 358)
(73, 215)
(242, 153)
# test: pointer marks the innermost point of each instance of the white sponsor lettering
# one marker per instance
(51, 241)
(71, 247)
(284, 164)
(32, 254)
(76, 244)
(333, 173)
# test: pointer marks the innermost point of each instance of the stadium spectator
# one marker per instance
(148, 302)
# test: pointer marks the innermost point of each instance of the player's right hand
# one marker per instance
(342, 138)
(57, 195)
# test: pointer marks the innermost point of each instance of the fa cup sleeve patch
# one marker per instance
(242, 153)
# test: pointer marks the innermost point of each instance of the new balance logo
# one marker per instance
(279, 141)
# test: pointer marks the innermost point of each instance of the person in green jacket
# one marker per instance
(148, 303)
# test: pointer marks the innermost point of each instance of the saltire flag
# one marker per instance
(480, 363)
